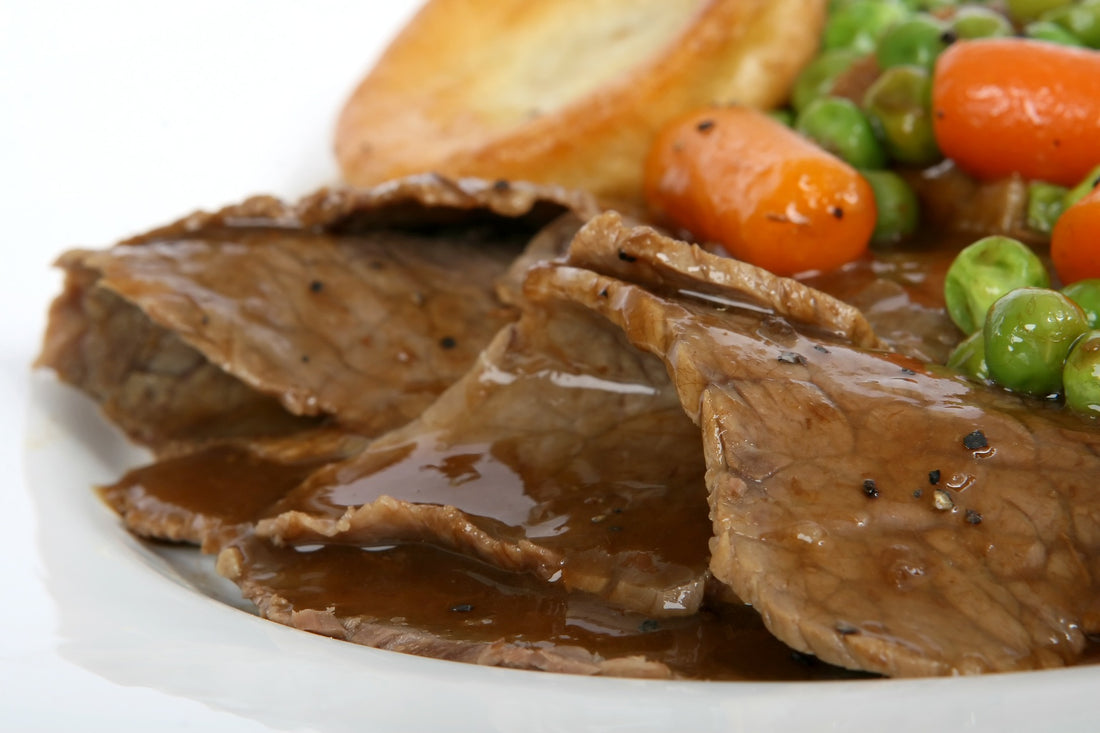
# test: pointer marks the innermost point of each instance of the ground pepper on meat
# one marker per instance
(975, 440)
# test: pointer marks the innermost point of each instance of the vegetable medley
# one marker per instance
(994, 89)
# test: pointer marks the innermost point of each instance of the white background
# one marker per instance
(117, 116)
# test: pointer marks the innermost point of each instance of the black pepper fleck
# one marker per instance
(939, 114)
(650, 624)
(846, 629)
(822, 349)
(626, 257)
(918, 493)
(934, 476)
(948, 37)
(316, 286)
(869, 488)
(305, 358)
(972, 517)
(975, 440)
(501, 185)
(705, 126)
(837, 212)
(462, 608)
(448, 342)
(603, 293)
(205, 319)
(907, 371)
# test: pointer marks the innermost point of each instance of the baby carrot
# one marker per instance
(1012, 105)
(735, 176)
(1075, 241)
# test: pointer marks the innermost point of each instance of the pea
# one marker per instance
(819, 77)
(975, 21)
(969, 358)
(915, 41)
(1082, 189)
(1086, 293)
(839, 126)
(983, 272)
(859, 25)
(1028, 334)
(897, 205)
(1023, 11)
(1044, 30)
(1044, 205)
(1082, 20)
(898, 105)
(1081, 375)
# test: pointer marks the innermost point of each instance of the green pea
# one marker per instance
(1082, 20)
(898, 104)
(1044, 30)
(1023, 11)
(976, 21)
(1086, 293)
(839, 126)
(1081, 375)
(1028, 334)
(859, 25)
(1044, 205)
(915, 41)
(819, 77)
(897, 205)
(983, 272)
(969, 357)
(1082, 189)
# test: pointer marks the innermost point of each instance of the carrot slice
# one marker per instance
(1075, 241)
(1012, 105)
(735, 176)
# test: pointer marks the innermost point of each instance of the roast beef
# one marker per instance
(344, 305)
(877, 511)
(563, 453)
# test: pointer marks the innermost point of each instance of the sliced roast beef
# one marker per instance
(877, 511)
(419, 599)
(214, 492)
(563, 453)
(346, 304)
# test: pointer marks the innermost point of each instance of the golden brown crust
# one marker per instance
(563, 91)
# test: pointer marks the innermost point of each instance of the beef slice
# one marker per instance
(879, 512)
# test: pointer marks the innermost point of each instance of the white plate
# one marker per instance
(119, 116)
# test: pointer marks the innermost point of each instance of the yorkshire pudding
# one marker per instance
(563, 91)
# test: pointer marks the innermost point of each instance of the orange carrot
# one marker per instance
(1075, 241)
(734, 176)
(1011, 105)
